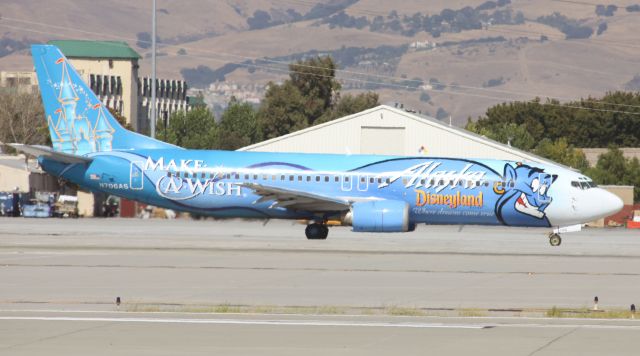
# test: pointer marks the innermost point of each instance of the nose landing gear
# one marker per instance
(316, 231)
(555, 239)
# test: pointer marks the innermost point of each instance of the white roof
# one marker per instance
(274, 144)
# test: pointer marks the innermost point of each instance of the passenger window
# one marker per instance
(371, 180)
(317, 178)
(363, 179)
(346, 179)
(237, 176)
(326, 178)
(255, 177)
(299, 178)
(282, 177)
(379, 180)
(246, 177)
(336, 179)
(388, 181)
(422, 181)
(308, 178)
(290, 178)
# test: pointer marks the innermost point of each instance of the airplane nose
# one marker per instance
(610, 203)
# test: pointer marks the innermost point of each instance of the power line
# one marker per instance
(340, 71)
(379, 83)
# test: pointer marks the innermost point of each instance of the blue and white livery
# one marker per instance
(370, 193)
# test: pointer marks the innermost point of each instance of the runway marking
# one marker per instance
(269, 249)
(491, 318)
(320, 323)
(321, 269)
(255, 322)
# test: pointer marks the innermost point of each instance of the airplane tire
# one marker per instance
(325, 232)
(316, 231)
(555, 240)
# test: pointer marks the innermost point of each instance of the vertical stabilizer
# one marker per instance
(78, 122)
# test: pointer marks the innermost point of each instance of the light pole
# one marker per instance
(153, 71)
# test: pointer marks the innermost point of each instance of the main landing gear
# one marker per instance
(316, 231)
(554, 239)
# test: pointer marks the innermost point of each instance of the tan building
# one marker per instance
(391, 131)
(111, 70)
(592, 154)
(23, 82)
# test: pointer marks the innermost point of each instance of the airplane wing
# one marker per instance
(49, 153)
(295, 199)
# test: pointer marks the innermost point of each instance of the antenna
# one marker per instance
(153, 71)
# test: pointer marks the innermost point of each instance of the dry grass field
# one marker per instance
(214, 33)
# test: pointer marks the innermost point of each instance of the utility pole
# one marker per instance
(153, 71)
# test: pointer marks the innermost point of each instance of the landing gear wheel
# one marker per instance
(316, 231)
(555, 240)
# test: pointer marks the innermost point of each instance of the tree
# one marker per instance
(195, 129)
(560, 151)
(121, 119)
(238, 126)
(315, 79)
(282, 111)
(349, 104)
(22, 119)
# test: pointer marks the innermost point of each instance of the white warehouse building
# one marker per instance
(385, 130)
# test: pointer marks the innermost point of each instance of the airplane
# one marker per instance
(370, 193)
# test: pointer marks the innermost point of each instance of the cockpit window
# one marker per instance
(583, 184)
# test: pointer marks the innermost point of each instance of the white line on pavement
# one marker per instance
(253, 322)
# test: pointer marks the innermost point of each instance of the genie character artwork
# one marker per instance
(524, 196)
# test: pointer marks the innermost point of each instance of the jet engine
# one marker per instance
(379, 216)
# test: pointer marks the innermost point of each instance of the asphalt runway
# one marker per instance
(175, 334)
(90, 262)
(59, 280)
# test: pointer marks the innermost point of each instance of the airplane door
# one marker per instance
(543, 197)
(347, 182)
(363, 183)
(136, 178)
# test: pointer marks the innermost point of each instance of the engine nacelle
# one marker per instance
(379, 216)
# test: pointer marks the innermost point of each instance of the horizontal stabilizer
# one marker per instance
(44, 151)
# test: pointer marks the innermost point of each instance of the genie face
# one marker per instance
(525, 196)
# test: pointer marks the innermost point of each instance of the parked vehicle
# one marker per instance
(36, 209)
(66, 206)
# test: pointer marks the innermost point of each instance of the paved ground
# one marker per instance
(59, 278)
(84, 262)
(178, 334)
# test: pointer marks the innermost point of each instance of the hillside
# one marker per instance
(485, 51)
